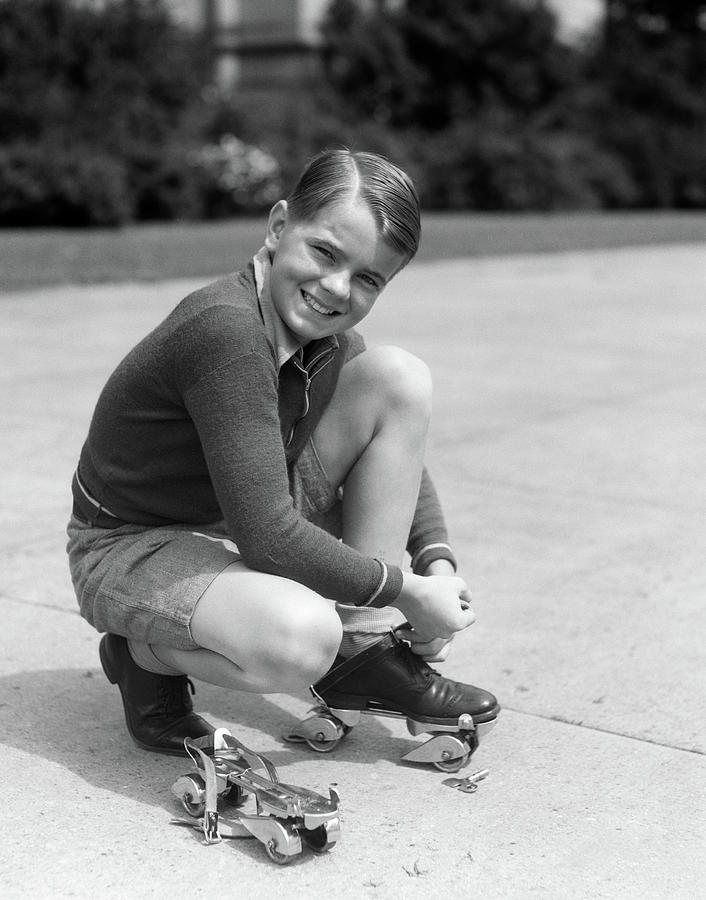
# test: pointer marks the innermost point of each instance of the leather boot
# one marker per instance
(389, 677)
(158, 709)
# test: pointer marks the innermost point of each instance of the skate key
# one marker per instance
(469, 784)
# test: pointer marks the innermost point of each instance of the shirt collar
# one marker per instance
(282, 339)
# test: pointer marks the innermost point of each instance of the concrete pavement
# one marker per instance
(568, 447)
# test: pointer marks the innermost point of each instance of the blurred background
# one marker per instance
(121, 111)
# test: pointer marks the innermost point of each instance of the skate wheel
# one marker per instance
(322, 746)
(280, 858)
(323, 838)
(193, 795)
(452, 765)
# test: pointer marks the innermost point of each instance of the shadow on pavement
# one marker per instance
(74, 719)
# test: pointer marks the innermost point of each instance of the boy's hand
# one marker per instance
(436, 650)
(436, 606)
(430, 651)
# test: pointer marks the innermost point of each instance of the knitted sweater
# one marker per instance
(198, 424)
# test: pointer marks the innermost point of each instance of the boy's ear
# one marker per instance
(275, 225)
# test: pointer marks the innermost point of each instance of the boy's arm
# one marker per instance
(232, 400)
(428, 538)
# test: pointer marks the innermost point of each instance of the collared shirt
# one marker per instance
(282, 338)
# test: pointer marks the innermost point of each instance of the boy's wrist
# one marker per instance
(439, 567)
(431, 552)
(407, 595)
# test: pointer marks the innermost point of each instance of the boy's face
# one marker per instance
(327, 272)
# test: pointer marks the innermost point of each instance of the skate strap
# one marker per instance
(210, 815)
(351, 663)
(251, 759)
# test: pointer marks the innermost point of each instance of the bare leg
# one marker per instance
(259, 633)
(372, 439)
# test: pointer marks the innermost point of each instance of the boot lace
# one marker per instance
(414, 663)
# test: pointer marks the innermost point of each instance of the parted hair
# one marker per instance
(388, 192)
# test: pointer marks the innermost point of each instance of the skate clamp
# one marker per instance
(285, 815)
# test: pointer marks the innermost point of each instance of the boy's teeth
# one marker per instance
(317, 306)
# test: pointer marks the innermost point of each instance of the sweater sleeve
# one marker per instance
(428, 537)
(234, 408)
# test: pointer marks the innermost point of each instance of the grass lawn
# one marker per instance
(31, 258)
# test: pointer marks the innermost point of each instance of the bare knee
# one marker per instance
(402, 381)
(304, 642)
(276, 634)
(382, 391)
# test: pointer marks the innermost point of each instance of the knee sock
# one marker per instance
(143, 655)
(363, 626)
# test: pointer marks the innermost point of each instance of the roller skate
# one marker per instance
(285, 815)
(388, 679)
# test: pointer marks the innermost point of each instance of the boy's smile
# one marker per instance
(327, 272)
(320, 308)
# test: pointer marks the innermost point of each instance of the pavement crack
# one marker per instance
(631, 737)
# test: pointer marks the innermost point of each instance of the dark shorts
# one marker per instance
(144, 582)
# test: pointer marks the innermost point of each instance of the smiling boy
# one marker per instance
(241, 513)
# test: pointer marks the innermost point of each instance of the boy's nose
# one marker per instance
(338, 284)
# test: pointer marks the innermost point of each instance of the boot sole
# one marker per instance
(375, 705)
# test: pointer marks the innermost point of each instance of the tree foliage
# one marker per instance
(649, 65)
(686, 16)
(120, 73)
(433, 63)
(103, 112)
(89, 86)
(493, 110)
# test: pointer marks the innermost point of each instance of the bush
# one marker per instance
(490, 167)
(161, 183)
(49, 185)
(97, 107)
(491, 163)
(232, 177)
(491, 110)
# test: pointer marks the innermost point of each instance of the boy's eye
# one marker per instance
(370, 281)
(324, 251)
